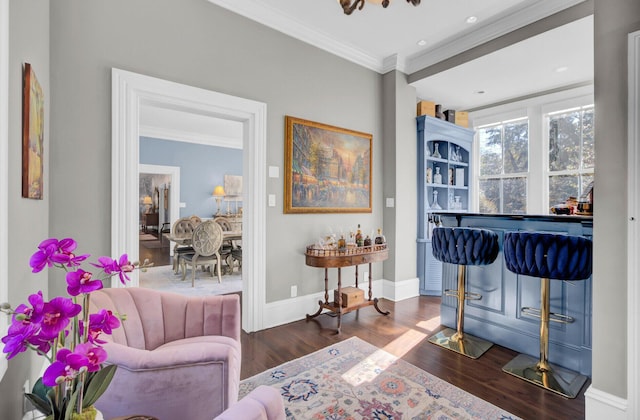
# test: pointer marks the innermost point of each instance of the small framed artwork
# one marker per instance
(327, 168)
(32, 135)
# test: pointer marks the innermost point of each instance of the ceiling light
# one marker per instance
(471, 19)
(422, 42)
(479, 92)
(348, 7)
(561, 69)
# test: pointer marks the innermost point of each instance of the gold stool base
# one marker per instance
(559, 380)
(469, 345)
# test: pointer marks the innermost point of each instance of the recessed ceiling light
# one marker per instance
(422, 42)
(561, 69)
(479, 92)
(471, 19)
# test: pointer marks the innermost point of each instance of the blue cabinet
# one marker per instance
(444, 172)
(497, 317)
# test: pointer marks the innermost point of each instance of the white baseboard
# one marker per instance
(602, 405)
(295, 309)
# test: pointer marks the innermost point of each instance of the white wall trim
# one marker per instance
(601, 405)
(129, 92)
(174, 201)
(633, 230)
(164, 133)
(4, 163)
(296, 309)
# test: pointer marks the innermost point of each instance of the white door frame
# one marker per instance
(129, 92)
(4, 163)
(174, 193)
(633, 231)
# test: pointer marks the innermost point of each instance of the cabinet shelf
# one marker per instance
(451, 193)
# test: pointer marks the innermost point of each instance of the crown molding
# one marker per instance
(275, 19)
(164, 133)
(499, 25)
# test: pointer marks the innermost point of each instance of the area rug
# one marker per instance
(355, 380)
(163, 278)
(147, 237)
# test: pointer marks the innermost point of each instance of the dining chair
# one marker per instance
(181, 233)
(206, 241)
(228, 245)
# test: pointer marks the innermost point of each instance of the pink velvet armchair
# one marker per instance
(178, 357)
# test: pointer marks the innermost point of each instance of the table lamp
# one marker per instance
(218, 193)
(147, 202)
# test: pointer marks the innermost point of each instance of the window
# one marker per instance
(571, 153)
(504, 167)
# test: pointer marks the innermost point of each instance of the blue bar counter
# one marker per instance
(497, 316)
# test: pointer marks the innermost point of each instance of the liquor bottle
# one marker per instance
(367, 241)
(380, 239)
(359, 238)
(342, 243)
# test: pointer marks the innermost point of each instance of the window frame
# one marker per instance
(535, 109)
(503, 176)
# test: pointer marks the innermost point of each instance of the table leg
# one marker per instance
(375, 301)
(356, 275)
(339, 303)
(318, 312)
(326, 286)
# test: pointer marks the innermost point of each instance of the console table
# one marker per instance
(333, 258)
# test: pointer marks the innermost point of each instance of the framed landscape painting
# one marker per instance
(327, 168)
(32, 135)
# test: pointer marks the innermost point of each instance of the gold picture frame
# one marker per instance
(327, 168)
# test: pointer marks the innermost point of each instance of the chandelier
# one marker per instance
(359, 4)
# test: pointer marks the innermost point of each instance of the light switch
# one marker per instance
(272, 200)
(390, 202)
(183, 205)
(274, 172)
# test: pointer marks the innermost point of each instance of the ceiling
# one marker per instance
(386, 39)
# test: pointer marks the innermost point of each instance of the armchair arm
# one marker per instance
(189, 351)
(263, 403)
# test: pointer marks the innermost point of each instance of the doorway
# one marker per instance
(130, 91)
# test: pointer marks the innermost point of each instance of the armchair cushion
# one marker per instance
(177, 356)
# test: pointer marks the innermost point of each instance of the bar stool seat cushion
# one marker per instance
(465, 246)
(548, 255)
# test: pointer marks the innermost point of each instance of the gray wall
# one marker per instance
(611, 26)
(28, 219)
(216, 50)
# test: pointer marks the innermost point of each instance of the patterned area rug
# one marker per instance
(163, 278)
(355, 380)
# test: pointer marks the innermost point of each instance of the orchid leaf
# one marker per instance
(42, 405)
(71, 405)
(97, 384)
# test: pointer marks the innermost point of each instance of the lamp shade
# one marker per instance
(218, 191)
(147, 200)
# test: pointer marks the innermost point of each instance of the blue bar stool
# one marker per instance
(463, 246)
(547, 256)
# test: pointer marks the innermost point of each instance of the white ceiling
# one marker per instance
(386, 39)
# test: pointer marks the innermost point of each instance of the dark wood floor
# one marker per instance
(406, 330)
(159, 256)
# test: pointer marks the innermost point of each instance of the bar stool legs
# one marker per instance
(547, 256)
(456, 340)
(540, 372)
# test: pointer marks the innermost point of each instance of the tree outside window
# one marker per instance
(504, 167)
(571, 153)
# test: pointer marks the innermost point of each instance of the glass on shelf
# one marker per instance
(436, 151)
(435, 205)
(437, 177)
